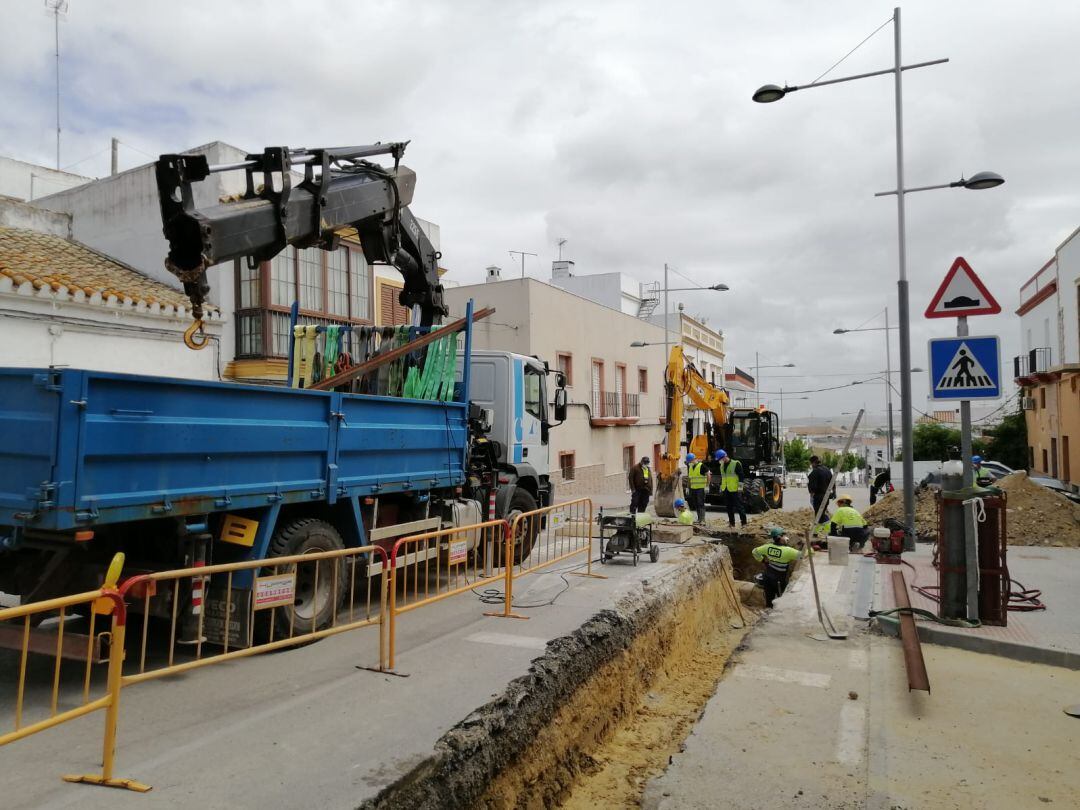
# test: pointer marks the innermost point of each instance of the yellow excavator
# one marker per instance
(750, 435)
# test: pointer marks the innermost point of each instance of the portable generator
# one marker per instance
(888, 542)
(625, 533)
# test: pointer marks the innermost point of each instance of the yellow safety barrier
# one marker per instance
(41, 621)
(545, 536)
(302, 593)
(429, 567)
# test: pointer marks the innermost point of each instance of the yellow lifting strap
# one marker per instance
(303, 354)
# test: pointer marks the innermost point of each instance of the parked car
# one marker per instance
(796, 479)
(997, 469)
(1057, 486)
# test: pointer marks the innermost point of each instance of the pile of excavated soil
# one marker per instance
(1037, 516)
(892, 506)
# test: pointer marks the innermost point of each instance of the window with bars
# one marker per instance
(331, 287)
(310, 278)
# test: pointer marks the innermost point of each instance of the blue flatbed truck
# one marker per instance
(92, 463)
(164, 470)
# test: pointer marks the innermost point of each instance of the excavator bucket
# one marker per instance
(668, 490)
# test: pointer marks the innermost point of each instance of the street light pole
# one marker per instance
(888, 386)
(667, 340)
(906, 428)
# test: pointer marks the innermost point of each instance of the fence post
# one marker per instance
(392, 565)
(384, 580)
(112, 710)
(509, 530)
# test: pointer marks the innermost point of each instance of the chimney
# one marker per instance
(493, 274)
(561, 269)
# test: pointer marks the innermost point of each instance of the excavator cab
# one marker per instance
(752, 436)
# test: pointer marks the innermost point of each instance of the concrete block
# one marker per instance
(839, 550)
(672, 533)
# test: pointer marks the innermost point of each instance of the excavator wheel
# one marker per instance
(668, 490)
(754, 496)
(774, 493)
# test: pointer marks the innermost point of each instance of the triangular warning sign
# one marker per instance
(964, 373)
(962, 293)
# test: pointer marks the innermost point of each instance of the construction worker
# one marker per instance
(817, 484)
(979, 475)
(641, 486)
(847, 522)
(683, 513)
(731, 486)
(777, 557)
(698, 478)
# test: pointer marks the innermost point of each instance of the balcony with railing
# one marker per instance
(1027, 368)
(612, 407)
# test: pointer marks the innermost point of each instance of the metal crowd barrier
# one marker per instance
(59, 613)
(268, 616)
(433, 566)
(551, 534)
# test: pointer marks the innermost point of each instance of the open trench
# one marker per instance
(603, 709)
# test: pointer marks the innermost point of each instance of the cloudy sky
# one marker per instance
(626, 128)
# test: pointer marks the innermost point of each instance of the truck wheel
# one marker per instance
(527, 531)
(315, 603)
(754, 497)
(774, 494)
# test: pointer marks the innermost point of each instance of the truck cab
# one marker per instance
(514, 388)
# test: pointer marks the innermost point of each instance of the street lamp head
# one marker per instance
(720, 287)
(788, 365)
(981, 180)
(637, 344)
(768, 93)
(839, 331)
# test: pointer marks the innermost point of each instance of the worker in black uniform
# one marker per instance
(817, 484)
(641, 486)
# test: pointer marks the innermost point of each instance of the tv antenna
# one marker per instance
(56, 8)
(560, 243)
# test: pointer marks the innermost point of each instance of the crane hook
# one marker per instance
(190, 340)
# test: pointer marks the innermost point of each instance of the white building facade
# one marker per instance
(615, 390)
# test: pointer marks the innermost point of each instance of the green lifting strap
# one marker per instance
(449, 369)
(333, 349)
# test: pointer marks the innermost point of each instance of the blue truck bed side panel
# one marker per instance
(123, 447)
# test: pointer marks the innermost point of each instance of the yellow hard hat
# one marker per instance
(843, 499)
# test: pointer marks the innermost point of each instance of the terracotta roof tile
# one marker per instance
(45, 260)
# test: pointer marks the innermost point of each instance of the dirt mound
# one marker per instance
(892, 506)
(1037, 516)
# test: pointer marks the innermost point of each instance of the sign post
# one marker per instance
(965, 376)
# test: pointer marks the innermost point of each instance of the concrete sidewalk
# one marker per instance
(305, 727)
(1050, 636)
(801, 721)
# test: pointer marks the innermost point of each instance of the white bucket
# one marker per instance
(839, 550)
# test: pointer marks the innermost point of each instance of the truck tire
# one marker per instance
(521, 502)
(774, 493)
(754, 497)
(316, 603)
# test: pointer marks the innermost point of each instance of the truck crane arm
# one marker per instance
(341, 190)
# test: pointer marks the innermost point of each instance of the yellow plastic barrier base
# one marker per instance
(94, 779)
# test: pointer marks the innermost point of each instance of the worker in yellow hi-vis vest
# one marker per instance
(777, 557)
(731, 486)
(697, 482)
(641, 486)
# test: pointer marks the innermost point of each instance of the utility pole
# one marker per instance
(114, 168)
(57, 7)
(523, 254)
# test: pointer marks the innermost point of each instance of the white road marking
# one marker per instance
(859, 660)
(765, 673)
(851, 733)
(507, 640)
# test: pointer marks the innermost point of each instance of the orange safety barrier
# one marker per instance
(293, 600)
(40, 622)
(545, 536)
(429, 567)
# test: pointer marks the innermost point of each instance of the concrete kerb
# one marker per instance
(472, 754)
(946, 637)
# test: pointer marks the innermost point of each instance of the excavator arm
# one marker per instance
(341, 191)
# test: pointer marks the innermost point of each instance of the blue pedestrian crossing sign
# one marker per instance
(965, 368)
